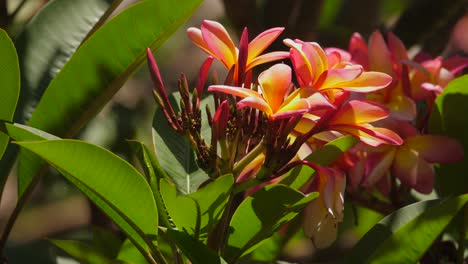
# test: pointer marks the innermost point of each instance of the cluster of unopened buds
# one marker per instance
(263, 127)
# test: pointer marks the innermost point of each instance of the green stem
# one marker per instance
(462, 235)
(240, 165)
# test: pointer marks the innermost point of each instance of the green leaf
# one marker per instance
(9, 84)
(183, 210)
(83, 252)
(198, 213)
(129, 253)
(101, 65)
(405, 235)
(323, 156)
(154, 174)
(48, 42)
(196, 251)
(9, 77)
(446, 119)
(212, 199)
(260, 215)
(175, 153)
(109, 181)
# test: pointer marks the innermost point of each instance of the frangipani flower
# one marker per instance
(273, 97)
(213, 38)
(354, 118)
(389, 59)
(411, 163)
(322, 215)
(323, 70)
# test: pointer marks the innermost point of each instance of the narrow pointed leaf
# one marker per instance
(260, 215)
(405, 235)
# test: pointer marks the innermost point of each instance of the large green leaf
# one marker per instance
(405, 235)
(109, 181)
(260, 215)
(101, 65)
(447, 118)
(9, 84)
(323, 156)
(48, 42)
(175, 153)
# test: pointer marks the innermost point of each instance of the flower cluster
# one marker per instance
(263, 127)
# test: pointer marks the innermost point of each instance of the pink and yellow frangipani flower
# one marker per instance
(322, 215)
(213, 38)
(273, 97)
(411, 163)
(391, 59)
(354, 118)
(323, 70)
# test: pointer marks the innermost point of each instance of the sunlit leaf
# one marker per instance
(48, 42)
(102, 64)
(260, 215)
(110, 182)
(405, 235)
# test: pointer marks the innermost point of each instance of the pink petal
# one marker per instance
(413, 171)
(302, 66)
(359, 51)
(436, 149)
(359, 112)
(317, 57)
(219, 42)
(378, 164)
(257, 103)
(316, 100)
(343, 54)
(262, 41)
(455, 64)
(236, 91)
(396, 47)
(379, 56)
(275, 83)
(337, 77)
(367, 82)
(402, 108)
(195, 36)
(373, 136)
(265, 58)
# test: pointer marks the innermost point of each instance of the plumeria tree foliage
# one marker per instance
(270, 150)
